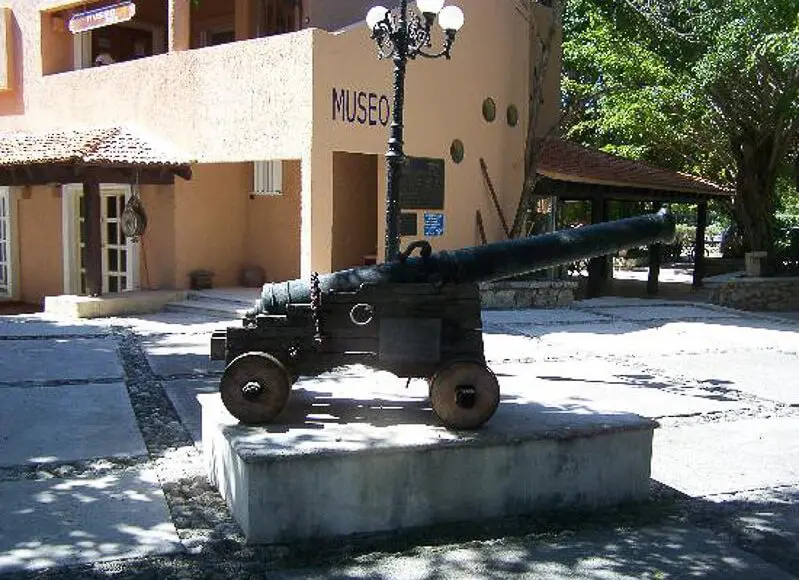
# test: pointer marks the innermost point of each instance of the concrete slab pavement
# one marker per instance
(767, 519)
(180, 354)
(646, 313)
(628, 339)
(765, 374)
(54, 522)
(715, 458)
(59, 360)
(162, 323)
(656, 366)
(183, 394)
(67, 423)
(543, 316)
(593, 386)
(596, 386)
(666, 551)
(41, 326)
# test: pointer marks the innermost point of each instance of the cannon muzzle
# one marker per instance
(480, 263)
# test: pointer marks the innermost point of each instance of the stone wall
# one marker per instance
(505, 295)
(776, 294)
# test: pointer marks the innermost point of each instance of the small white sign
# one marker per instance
(106, 16)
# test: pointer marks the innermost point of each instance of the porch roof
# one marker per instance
(96, 153)
(590, 173)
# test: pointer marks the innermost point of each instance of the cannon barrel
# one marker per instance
(480, 263)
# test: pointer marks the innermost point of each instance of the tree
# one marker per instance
(707, 86)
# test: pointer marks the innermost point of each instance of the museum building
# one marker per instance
(250, 135)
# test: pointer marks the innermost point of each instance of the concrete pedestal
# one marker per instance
(338, 465)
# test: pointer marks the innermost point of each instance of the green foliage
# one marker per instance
(709, 87)
(787, 203)
(633, 97)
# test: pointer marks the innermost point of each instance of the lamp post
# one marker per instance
(402, 37)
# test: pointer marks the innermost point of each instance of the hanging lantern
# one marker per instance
(133, 219)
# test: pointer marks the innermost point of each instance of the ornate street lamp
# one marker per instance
(401, 37)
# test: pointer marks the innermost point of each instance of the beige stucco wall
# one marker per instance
(443, 102)
(240, 101)
(217, 226)
(273, 228)
(210, 223)
(157, 257)
(39, 237)
(271, 98)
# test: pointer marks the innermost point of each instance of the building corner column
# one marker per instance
(316, 222)
(179, 25)
(244, 19)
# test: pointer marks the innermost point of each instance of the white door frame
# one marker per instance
(8, 199)
(132, 250)
(70, 243)
(70, 213)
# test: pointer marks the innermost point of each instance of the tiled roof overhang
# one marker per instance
(600, 174)
(32, 158)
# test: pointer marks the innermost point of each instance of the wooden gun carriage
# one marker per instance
(417, 317)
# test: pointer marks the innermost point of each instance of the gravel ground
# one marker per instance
(215, 547)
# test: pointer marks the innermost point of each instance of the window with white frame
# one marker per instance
(268, 177)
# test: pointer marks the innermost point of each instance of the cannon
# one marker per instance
(418, 317)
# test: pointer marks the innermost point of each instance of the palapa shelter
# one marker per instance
(570, 172)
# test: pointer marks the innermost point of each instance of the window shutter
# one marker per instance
(268, 178)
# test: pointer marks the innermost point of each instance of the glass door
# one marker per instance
(119, 255)
(117, 264)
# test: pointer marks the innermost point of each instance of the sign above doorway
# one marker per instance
(100, 17)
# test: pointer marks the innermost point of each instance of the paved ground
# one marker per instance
(101, 471)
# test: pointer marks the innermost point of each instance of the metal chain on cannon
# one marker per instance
(316, 307)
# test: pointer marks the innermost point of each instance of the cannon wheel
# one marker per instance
(464, 394)
(255, 387)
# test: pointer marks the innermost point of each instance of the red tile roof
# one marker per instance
(567, 161)
(115, 146)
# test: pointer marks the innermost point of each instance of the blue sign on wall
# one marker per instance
(433, 224)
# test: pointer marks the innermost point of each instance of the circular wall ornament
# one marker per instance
(456, 150)
(513, 116)
(489, 110)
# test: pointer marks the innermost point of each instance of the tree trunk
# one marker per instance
(754, 195)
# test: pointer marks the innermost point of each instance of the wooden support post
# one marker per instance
(179, 25)
(699, 244)
(94, 250)
(244, 19)
(655, 253)
(597, 267)
(655, 258)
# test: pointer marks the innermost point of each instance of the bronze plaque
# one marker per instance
(408, 224)
(422, 184)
